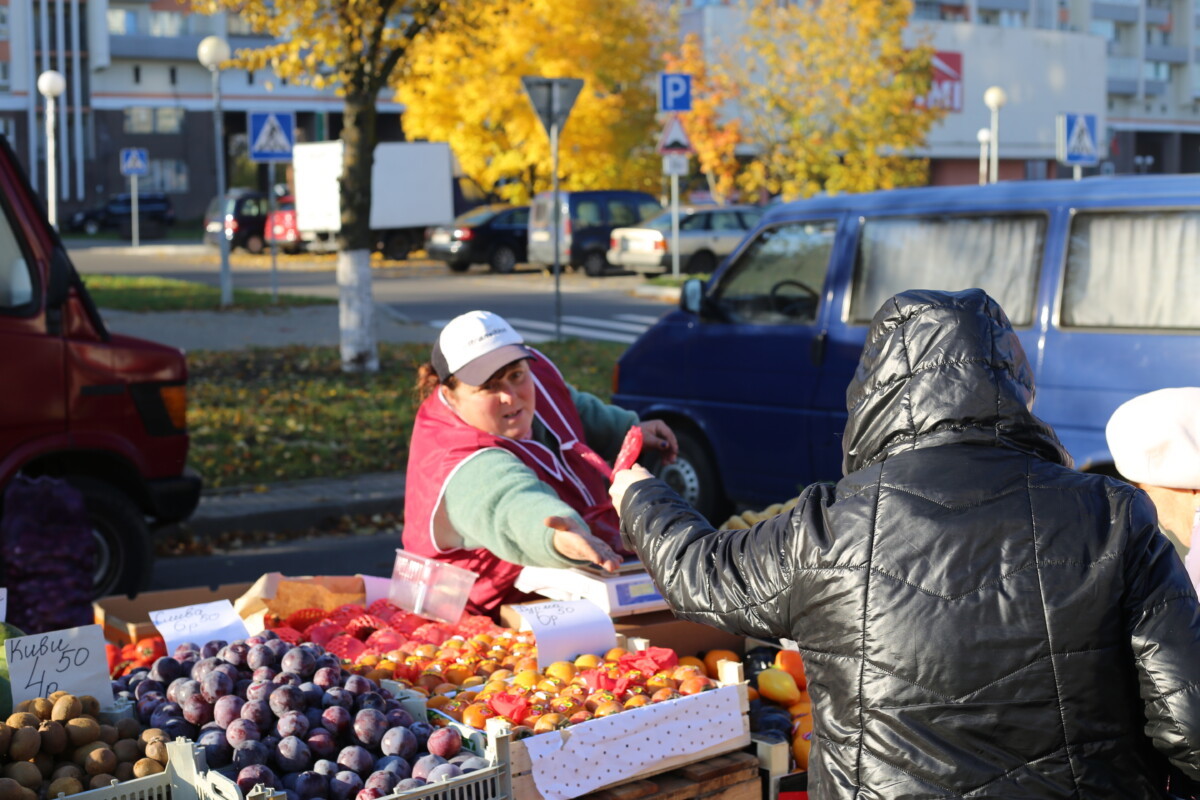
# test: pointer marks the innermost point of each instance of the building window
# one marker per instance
(137, 74)
(173, 75)
(239, 27)
(1003, 19)
(5, 83)
(1156, 71)
(249, 77)
(143, 119)
(1104, 28)
(8, 127)
(166, 23)
(4, 22)
(167, 175)
(122, 22)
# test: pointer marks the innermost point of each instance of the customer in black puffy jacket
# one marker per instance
(977, 619)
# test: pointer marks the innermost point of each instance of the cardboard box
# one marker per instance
(126, 620)
(618, 595)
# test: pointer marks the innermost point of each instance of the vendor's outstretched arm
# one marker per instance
(743, 581)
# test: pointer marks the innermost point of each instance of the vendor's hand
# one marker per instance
(623, 480)
(572, 541)
(658, 436)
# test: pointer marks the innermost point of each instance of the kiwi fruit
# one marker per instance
(45, 764)
(65, 708)
(53, 696)
(101, 781)
(9, 789)
(64, 786)
(5, 738)
(66, 771)
(124, 771)
(91, 706)
(100, 761)
(157, 751)
(108, 734)
(25, 744)
(146, 766)
(25, 773)
(128, 728)
(54, 737)
(28, 794)
(41, 707)
(81, 753)
(151, 735)
(23, 706)
(126, 750)
(23, 719)
(82, 730)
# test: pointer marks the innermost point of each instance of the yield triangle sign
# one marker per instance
(674, 138)
(552, 98)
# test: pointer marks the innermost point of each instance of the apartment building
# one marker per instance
(1135, 64)
(133, 80)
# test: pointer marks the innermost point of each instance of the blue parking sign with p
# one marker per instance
(674, 92)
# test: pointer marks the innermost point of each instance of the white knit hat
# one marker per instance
(1155, 438)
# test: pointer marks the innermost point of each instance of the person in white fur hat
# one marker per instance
(1155, 443)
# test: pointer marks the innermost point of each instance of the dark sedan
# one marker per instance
(494, 234)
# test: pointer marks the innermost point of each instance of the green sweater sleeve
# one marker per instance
(604, 425)
(496, 502)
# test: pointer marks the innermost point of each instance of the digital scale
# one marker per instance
(629, 590)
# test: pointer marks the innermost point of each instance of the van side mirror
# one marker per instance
(691, 296)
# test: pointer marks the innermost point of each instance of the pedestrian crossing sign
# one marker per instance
(1078, 144)
(272, 134)
(134, 161)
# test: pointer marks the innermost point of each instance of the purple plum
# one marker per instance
(369, 727)
(227, 709)
(216, 685)
(399, 741)
(285, 699)
(321, 743)
(292, 754)
(217, 751)
(292, 723)
(356, 759)
(443, 772)
(326, 767)
(242, 730)
(250, 776)
(259, 713)
(357, 684)
(299, 661)
(249, 753)
(311, 785)
(345, 785)
(426, 764)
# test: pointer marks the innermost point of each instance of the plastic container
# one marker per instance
(432, 589)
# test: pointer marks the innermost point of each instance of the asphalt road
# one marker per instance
(421, 291)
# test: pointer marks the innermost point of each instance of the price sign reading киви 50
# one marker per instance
(71, 660)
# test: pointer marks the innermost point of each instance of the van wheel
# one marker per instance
(595, 264)
(694, 478)
(123, 553)
(702, 262)
(503, 260)
(255, 244)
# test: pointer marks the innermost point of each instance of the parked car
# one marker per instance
(106, 413)
(494, 234)
(588, 219)
(1099, 278)
(280, 229)
(117, 213)
(706, 235)
(242, 214)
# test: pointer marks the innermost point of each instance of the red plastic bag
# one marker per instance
(631, 448)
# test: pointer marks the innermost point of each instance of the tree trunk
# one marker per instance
(356, 303)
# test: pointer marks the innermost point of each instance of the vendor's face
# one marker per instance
(503, 406)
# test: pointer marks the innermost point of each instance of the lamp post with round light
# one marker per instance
(212, 52)
(51, 84)
(995, 98)
(983, 136)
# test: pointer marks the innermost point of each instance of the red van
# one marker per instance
(108, 413)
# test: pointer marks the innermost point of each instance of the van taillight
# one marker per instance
(567, 226)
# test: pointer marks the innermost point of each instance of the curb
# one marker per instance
(294, 505)
(665, 294)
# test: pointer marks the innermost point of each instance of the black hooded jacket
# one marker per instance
(977, 619)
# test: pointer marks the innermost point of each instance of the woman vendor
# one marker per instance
(506, 467)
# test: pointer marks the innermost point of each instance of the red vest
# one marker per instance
(441, 442)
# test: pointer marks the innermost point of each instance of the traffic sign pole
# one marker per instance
(270, 216)
(133, 195)
(674, 224)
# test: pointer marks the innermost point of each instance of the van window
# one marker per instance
(16, 283)
(1133, 270)
(777, 280)
(997, 254)
(587, 214)
(647, 209)
(621, 213)
(540, 211)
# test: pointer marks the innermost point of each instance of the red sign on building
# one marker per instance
(946, 90)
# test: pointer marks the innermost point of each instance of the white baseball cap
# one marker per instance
(474, 345)
(1155, 438)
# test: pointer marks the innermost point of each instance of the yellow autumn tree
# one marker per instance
(354, 47)
(713, 130)
(464, 87)
(831, 95)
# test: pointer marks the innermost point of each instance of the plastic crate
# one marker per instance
(185, 778)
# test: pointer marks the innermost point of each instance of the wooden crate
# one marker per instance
(730, 777)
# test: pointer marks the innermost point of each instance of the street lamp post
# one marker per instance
(983, 136)
(995, 98)
(212, 52)
(51, 84)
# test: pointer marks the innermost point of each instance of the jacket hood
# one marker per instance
(941, 368)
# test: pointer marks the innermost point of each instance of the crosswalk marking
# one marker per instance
(623, 328)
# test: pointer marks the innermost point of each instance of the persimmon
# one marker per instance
(685, 671)
(697, 684)
(565, 705)
(615, 654)
(582, 715)
(790, 662)
(661, 680)
(527, 662)
(588, 661)
(550, 721)
(692, 661)
(562, 670)
(595, 699)
(637, 700)
(608, 708)
(437, 701)
(714, 657)
(663, 695)
(379, 674)
(457, 673)
(551, 684)
(527, 678)
(472, 680)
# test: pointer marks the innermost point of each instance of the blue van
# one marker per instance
(1100, 277)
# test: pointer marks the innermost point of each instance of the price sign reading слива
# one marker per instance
(199, 623)
(72, 661)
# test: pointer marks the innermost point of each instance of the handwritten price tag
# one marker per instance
(200, 623)
(567, 628)
(72, 660)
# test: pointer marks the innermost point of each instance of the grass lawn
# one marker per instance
(266, 415)
(151, 293)
(671, 280)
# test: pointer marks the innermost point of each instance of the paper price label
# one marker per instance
(567, 628)
(199, 623)
(71, 660)
(3, 604)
